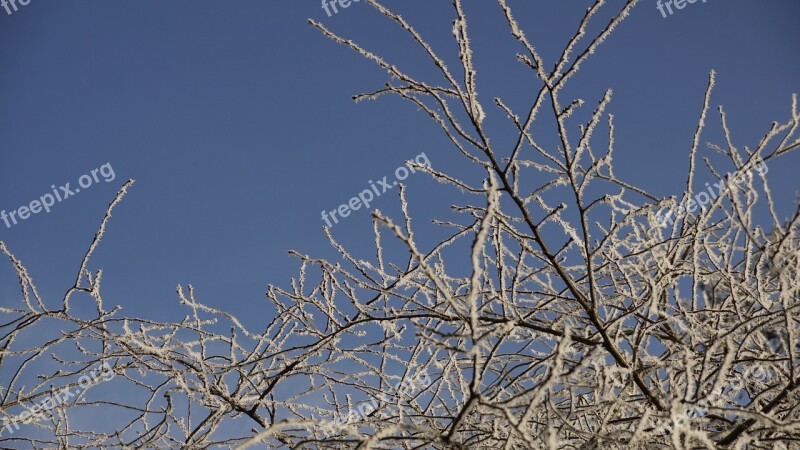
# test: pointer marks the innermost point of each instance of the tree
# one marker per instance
(583, 323)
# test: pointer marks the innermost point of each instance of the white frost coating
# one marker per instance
(547, 308)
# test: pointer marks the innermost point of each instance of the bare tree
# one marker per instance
(582, 323)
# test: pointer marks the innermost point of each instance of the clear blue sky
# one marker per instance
(235, 119)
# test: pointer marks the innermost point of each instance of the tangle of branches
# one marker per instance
(582, 323)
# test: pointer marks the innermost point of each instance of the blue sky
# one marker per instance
(236, 122)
